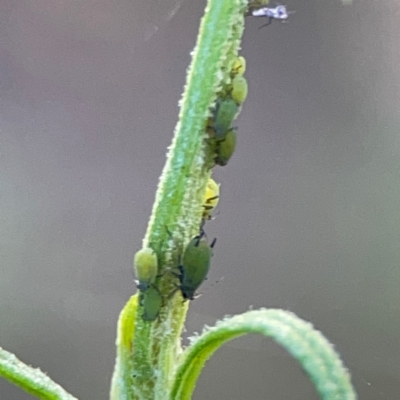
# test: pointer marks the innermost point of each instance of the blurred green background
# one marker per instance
(309, 216)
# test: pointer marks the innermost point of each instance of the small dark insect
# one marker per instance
(279, 12)
(194, 265)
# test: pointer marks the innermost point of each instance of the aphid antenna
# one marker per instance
(213, 243)
(203, 234)
(197, 295)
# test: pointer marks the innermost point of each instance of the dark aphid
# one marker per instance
(224, 114)
(194, 265)
(151, 300)
(146, 267)
(225, 148)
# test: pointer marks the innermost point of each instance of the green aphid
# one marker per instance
(225, 148)
(151, 300)
(239, 89)
(194, 265)
(146, 267)
(224, 114)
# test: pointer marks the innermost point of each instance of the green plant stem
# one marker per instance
(178, 208)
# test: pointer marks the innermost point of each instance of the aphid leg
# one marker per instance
(173, 292)
(176, 274)
(268, 23)
(224, 138)
(213, 243)
(202, 234)
(208, 200)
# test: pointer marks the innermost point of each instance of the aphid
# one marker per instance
(151, 300)
(224, 114)
(239, 89)
(239, 66)
(146, 267)
(225, 148)
(194, 265)
(279, 12)
(211, 198)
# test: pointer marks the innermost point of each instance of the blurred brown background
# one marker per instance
(309, 217)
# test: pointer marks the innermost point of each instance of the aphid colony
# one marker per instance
(191, 270)
(145, 264)
(194, 262)
(222, 136)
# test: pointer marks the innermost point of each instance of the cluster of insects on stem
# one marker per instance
(194, 262)
(191, 271)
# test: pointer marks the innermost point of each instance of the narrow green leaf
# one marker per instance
(122, 380)
(308, 346)
(32, 380)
